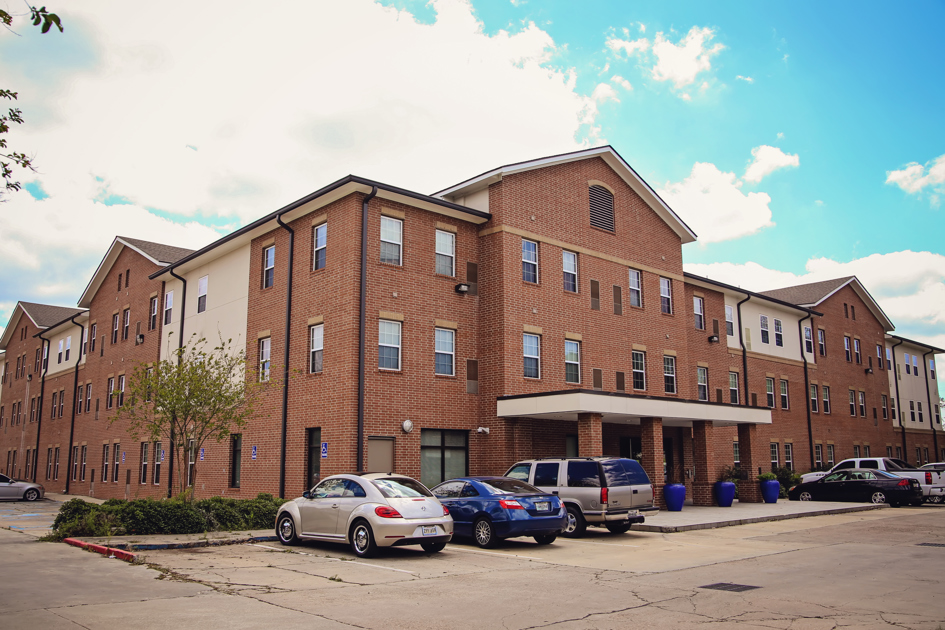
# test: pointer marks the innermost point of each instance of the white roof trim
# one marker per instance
(872, 304)
(11, 325)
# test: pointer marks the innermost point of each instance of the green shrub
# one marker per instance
(767, 476)
(72, 510)
(787, 478)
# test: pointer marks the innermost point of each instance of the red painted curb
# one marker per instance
(121, 554)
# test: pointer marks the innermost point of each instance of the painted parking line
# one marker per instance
(363, 564)
(591, 542)
(22, 515)
(494, 553)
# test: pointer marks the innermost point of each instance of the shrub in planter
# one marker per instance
(770, 487)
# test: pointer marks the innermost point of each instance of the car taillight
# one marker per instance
(510, 504)
(387, 512)
(928, 479)
(603, 496)
(904, 482)
(445, 511)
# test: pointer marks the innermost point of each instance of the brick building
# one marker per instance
(538, 309)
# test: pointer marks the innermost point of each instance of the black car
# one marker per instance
(857, 484)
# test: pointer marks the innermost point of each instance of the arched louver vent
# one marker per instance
(602, 208)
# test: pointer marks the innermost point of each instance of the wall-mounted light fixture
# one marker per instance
(462, 287)
(713, 339)
(868, 370)
(407, 426)
(484, 430)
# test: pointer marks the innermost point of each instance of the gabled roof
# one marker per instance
(702, 281)
(815, 293)
(918, 344)
(606, 153)
(42, 315)
(158, 253)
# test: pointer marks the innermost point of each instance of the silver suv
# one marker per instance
(612, 492)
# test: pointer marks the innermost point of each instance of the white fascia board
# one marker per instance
(85, 300)
(13, 324)
(872, 304)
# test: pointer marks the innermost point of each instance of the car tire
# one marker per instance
(433, 547)
(546, 539)
(576, 524)
(362, 540)
(878, 497)
(31, 494)
(805, 496)
(937, 498)
(618, 528)
(285, 529)
(484, 533)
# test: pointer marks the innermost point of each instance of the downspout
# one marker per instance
(180, 345)
(285, 360)
(810, 427)
(44, 359)
(741, 342)
(902, 424)
(363, 299)
(925, 366)
(75, 385)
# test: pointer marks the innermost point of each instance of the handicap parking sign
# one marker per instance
(201, 454)
(324, 450)
(123, 457)
(254, 451)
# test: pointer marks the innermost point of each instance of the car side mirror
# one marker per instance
(307, 495)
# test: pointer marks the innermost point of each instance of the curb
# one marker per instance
(674, 529)
(124, 547)
(110, 552)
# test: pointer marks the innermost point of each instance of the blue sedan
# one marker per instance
(489, 509)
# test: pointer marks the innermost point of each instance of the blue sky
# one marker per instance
(801, 141)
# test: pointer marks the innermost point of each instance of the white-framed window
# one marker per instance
(445, 253)
(879, 356)
(444, 351)
(862, 401)
(789, 455)
(918, 404)
(191, 461)
(769, 392)
(736, 454)
(775, 455)
(814, 398)
(269, 266)
(889, 360)
(529, 261)
(785, 399)
(110, 401)
(85, 343)
(388, 342)
(830, 456)
(105, 451)
(822, 342)
(884, 403)
(531, 350)
(846, 349)
(698, 308)
(636, 288)
(856, 450)
(853, 403)
(168, 307)
(115, 327)
(856, 351)
(152, 319)
(808, 340)
(121, 390)
(392, 238)
(569, 264)
(778, 333)
(125, 326)
(729, 320)
(639, 370)
(932, 368)
(702, 382)
(666, 296)
(316, 348)
(202, 284)
(572, 361)
(764, 329)
(319, 246)
(144, 462)
(733, 387)
(826, 392)
(265, 361)
(915, 365)
(819, 455)
(59, 360)
(669, 374)
(158, 458)
(892, 411)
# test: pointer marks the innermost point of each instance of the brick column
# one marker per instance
(651, 443)
(590, 435)
(687, 460)
(703, 451)
(748, 443)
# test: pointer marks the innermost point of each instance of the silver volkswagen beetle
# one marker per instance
(367, 511)
(15, 489)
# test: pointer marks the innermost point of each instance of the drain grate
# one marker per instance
(728, 586)
(930, 544)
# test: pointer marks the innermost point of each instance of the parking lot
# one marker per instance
(863, 569)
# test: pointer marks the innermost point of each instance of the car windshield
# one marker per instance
(507, 486)
(624, 472)
(400, 488)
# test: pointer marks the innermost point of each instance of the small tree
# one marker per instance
(195, 395)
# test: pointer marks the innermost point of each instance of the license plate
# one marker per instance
(542, 506)
(633, 513)
(428, 531)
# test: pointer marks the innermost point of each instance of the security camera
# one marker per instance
(483, 430)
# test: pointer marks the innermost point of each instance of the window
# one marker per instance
(938, 415)
(764, 329)
(852, 403)
(121, 390)
(826, 399)
(729, 320)
(789, 456)
(862, 398)
(115, 326)
(784, 394)
(846, 348)
(918, 404)
(856, 450)
(444, 351)
(168, 307)
(808, 340)
(852, 312)
(158, 458)
(666, 296)
(191, 461)
(84, 350)
(110, 400)
(830, 457)
(316, 349)
(569, 264)
(388, 351)
(814, 396)
(733, 387)
(819, 455)
(636, 288)
(639, 370)
(144, 462)
(769, 390)
(602, 208)
(889, 452)
(736, 454)
(889, 360)
(906, 358)
(79, 399)
(152, 319)
(669, 374)
(932, 368)
(49, 463)
(202, 293)
(529, 261)
(698, 306)
(319, 258)
(443, 455)
(445, 253)
(572, 362)
(392, 236)
(846, 310)
(702, 381)
(856, 351)
(884, 404)
(265, 347)
(892, 409)
(313, 440)
(879, 356)
(52, 412)
(822, 342)
(85, 452)
(105, 462)
(531, 349)
(88, 397)
(595, 295)
(915, 364)
(45, 357)
(918, 456)
(119, 281)
(778, 334)
(618, 300)
(268, 266)
(236, 458)
(125, 325)
(775, 455)
(59, 359)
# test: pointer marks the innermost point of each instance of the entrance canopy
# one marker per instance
(626, 408)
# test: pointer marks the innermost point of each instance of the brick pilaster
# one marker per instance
(748, 444)
(651, 439)
(703, 448)
(590, 436)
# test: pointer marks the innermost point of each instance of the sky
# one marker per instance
(801, 141)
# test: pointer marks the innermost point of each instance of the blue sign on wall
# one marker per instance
(162, 454)
(254, 451)
(324, 450)
(123, 457)
(201, 454)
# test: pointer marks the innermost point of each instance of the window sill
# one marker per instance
(388, 265)
(449, 377)
(531, 284)
(310, 271)
(389, 371)
(667, 314)
(444, 276)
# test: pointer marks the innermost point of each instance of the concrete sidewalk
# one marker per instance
(709, 517)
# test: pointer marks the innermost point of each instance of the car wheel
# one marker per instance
(878, 497)
(618, 528)
(546, 539)
(805, 496)
(576, 524)
(937, 498)
(484, 533)
(285, 529)
(31, 495)
(362, 540)
(433, 547)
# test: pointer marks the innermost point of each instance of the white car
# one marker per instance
(367, 511)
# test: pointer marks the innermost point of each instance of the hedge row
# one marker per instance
(117, 517)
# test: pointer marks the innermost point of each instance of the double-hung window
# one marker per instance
(236, 458)
(639, 370)
(789, 456)
(105, 462)
(669, 374)
(121, 390)
(919, 404)
(862, 401)
(769, 391)
(115, 326)
(666, 296)
(202, 293)
(822, 342)
(168, 307)
(444, 351)
(392, 239)
(316, 337)
(529, 261)
(852, 403)
(808, 340)
(856, 351)
(265, 349)
(572, 361)
(152, 319)
(445, 253)
(830, 456)
(698, 308)
(932, 368)
(915, 364)
(59, 360)
(879, 356)
(729, 320)
(636, 288)
(814, 397)
(268, 266)
(784, 395)
(884, 404)
(702, 382)
(569, 265)
(826, 393)
(144, 462)
(531, 350)
(388, 345)
(764, 329)
(846, 349)
(85, 344)
(819, 455)
(319, 248)
(775, 455)
(905, 356)
(733, 387)
(778, 334)
(125, 324)
(110, 400)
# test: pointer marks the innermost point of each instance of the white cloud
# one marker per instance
(603, 93)
(686, 97)
(767, 159)
(712, 204)
(780, 135)
(818, 202)
(642, 27)
(745, 79)
(619, 80)
(915, 178)
(683, 62)
(628, 47)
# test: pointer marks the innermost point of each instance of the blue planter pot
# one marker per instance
(675, 495)
(770, 490)
(724, 493)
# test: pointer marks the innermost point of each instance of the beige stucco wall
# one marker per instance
(62, 333)
(912, 387)
(751, 319)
